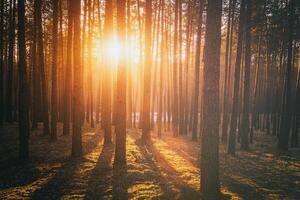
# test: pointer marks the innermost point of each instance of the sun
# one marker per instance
(108, 50)
(113, 49)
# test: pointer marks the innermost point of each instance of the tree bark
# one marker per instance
(107, 82)
(210, 183)
(283, 137)
(54, 72)
(23, 87)
(147, 73)
(77, 73)
(234, 113)
(245, 116)
(120, 148)
(68, 78)
(197, 75)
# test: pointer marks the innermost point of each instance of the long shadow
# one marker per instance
(187, 192)
(120, 184)
(269, 177)
(92, 142)
(62, 182)
(99, 184)
(56, 186)
(18, 174)
(14, 173)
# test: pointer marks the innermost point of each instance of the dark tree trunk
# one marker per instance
(68, 78)
(235, 105)
(286, 117)
(23, 87)
(120, 148)
(40, 64)
(77, 98)
(195, 109)
(90, 63)
(11, 39)
(54, 72)
(227, 71)
(210, 183)
(295, 134)
(162, 61)
(147, 73)
(175, 71)
(1, 61)
(107, 82)
(245, 116)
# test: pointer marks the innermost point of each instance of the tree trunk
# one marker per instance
(210, 183)
(40, 64)
(120, 148)
(162, 61)
(147, 73)
(68, 78)
(11, 38)
(23, 87)
(295, 134)
(283, 137)
(234, 114)
(1, 61)
(54, 72)
(106, 90)
(175, 71)
(77, 98)
(245, 116)
(227, 72)
(197, 75)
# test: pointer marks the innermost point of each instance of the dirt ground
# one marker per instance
(165, 168)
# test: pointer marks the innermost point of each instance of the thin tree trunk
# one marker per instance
(162, 61)
(283, 138)
(226, 74)
(245, 116)
(106, 91)
(175, 73)
(234, 114)
(23, 90)
(41, 64)
(11, 38)
(68, 78)
(77, 98)
(197, 75)
(54, 72)
(147, 73)
(1, 62)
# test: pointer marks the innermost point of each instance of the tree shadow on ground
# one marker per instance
(43, 164)
(262, 175)
(99, 184)
(120, 184)
(166, 172)
(56, 186)
(18, 174)
(69, 178)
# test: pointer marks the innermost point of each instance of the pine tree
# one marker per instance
(210, 183)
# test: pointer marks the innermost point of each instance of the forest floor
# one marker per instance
(165, 168)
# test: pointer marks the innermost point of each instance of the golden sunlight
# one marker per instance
(112, 52)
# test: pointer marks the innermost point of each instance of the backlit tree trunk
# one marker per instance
(147, 73)
(210, 183)
(77, 98)
(23, 86)
(54, 72)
